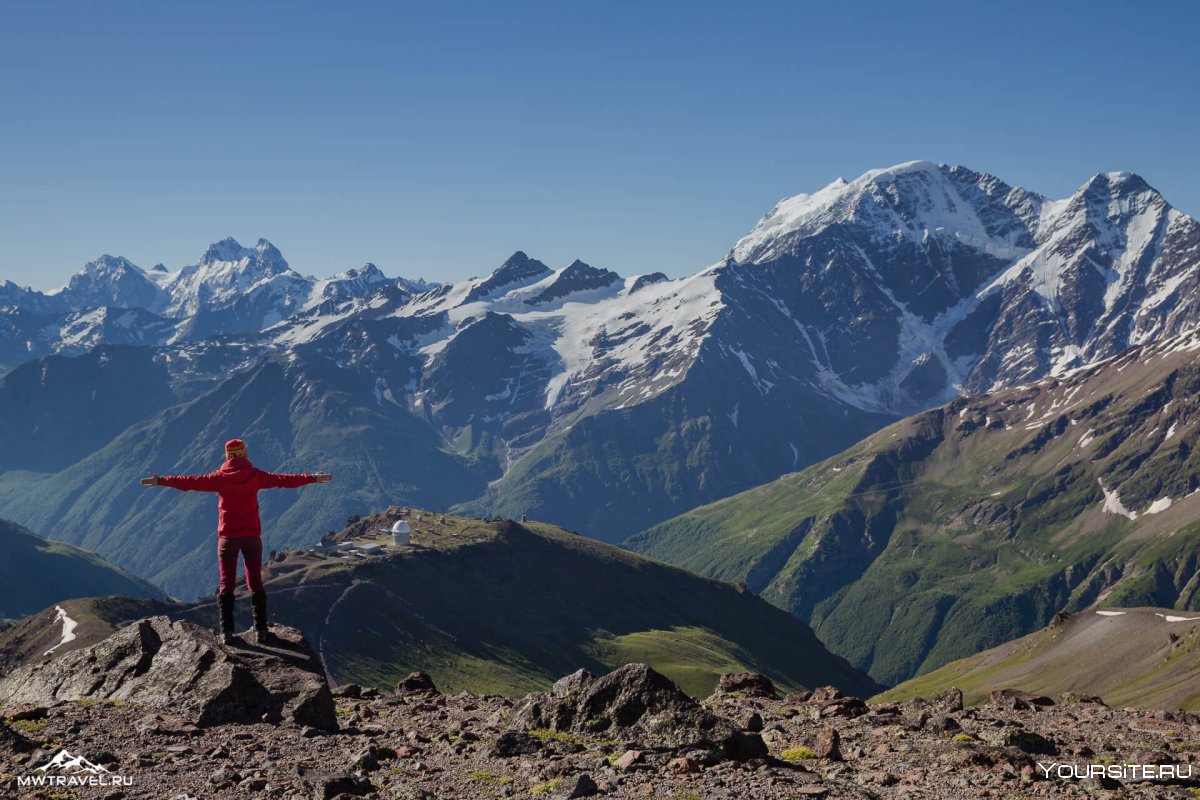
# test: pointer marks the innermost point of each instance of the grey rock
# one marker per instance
(635, 703)
(747, 684)
(576, 786)
(179, 666)
(416, 683)
(336, 785)
(515, 743)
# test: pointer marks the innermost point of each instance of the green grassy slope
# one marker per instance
(297, 415)
(506, 608)
(966, 526)
(37, 572)
(1144, 657)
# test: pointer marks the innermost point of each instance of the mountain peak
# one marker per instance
(109, 264)
(1118, 184)
(909, 199)
(228, 249)
(517, 268)
(576, 277)
(264, 256)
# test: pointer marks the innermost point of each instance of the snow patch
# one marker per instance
(1159, 505)
(68, 629)
(1113, 504)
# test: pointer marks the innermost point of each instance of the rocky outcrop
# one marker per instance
(633, 703)
(179, 666)
(746, 684)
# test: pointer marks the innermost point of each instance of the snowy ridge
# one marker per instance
(866, 299)
(1042, 285)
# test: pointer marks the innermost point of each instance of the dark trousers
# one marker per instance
(250, 548)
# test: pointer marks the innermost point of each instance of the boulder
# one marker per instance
(829, 744)
(182, 667)
(949, 701)
(1017, 700)
(576, 786)
(1020, 738)
(1073, 698)
(825, 694)
(632, 703)
(337, 785)
(515, 743)
(746, 684)
(416, 683)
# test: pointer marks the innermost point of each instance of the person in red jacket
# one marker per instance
(239, 530)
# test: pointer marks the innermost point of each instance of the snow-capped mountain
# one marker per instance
(111, 281)
(960, 282)
(231, 290)
(607, 404)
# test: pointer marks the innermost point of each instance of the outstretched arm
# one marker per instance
(187, 483)
(291, 480)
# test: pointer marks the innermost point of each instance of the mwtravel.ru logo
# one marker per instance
(70, 770)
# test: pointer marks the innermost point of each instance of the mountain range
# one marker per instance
(960, 528)
(602, 403)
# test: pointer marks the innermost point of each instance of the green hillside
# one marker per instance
(298, 415)
(37, 572)
(963, 527)
(1143, 657)
(507, 608)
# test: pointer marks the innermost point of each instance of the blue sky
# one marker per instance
(436, 138)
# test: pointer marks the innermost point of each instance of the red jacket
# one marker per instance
(237, 483)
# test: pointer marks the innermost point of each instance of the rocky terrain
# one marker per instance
(149, 725)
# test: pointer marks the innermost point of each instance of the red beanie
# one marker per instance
(235, 448)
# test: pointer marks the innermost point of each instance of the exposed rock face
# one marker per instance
(179, 666)
(636, 703)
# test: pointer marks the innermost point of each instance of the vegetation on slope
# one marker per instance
(505, 607)
(966, 526)
(37, 572)
(1143, 657)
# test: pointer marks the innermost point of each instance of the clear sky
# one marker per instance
(435, 138)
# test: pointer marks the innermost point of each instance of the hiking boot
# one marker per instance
(228, 639)
(225, 607)
(258, 602)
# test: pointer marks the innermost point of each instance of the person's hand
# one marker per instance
(153, 480)
(323, 477)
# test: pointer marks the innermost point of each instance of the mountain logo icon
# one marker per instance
(66, 762)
